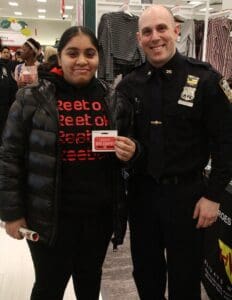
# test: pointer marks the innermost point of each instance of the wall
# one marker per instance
(226, 4)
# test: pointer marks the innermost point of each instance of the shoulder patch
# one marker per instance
(226, 88)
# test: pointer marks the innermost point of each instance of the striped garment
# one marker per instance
(219, 45)
(118, 43)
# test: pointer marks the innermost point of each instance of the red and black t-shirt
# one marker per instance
(85, 174)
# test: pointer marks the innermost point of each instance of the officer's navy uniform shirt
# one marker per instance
(192, 118)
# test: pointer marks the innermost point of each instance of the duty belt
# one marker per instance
(178, 179)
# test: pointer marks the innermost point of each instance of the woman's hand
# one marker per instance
(124, 148)
(12, 228)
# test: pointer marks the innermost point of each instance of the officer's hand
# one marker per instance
(206, 211)
(12, 228)
(124, 148)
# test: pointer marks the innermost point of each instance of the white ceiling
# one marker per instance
(29, 8)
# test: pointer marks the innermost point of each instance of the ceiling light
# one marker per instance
(195, 2)
(68, 7)
(18, 13)
(13, 3)
(41, 17)
(41, 10)
(41, 0)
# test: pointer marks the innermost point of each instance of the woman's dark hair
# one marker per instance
(75, 31)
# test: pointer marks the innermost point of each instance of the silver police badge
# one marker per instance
(188, 93)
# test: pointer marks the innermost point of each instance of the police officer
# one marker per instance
(182, 117)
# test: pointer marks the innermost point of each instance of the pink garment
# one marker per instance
(219, 45)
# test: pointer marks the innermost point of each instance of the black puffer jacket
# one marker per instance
(30, 161)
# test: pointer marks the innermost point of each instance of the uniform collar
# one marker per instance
(168, 70)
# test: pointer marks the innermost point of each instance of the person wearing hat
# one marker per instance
(26, 73)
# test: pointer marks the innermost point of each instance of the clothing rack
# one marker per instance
(103, 7)
(126, 8)
(205, 31)
(227, 12)
(223, 13)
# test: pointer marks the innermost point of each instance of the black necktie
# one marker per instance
(155, 150)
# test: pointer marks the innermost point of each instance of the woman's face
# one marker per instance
(79, 60)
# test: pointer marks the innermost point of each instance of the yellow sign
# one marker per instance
(226, 257)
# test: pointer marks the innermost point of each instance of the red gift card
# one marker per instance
(103, 141)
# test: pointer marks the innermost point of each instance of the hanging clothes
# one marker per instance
(219, 45)
(186, 42)
(199, 37)
(119, 50)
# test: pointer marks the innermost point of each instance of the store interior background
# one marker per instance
(46, 22)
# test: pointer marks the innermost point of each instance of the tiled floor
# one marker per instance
(117, 283)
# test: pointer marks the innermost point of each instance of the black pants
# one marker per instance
(161, 219)
(79, 252)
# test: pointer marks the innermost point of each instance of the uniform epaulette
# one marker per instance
(197, 62)
(204, 64)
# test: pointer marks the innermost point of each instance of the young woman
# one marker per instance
(50, 179)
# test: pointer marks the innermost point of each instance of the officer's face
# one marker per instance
(157, 35)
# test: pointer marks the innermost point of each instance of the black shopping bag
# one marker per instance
(217, 268)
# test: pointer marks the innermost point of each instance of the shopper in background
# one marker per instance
(17, 59)
(182, 117)
(18, 55)
(53, 183)
(50, 54)
(26, 73)
(6, 57)
(8, 87)
(50, 60)
(5, 54)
